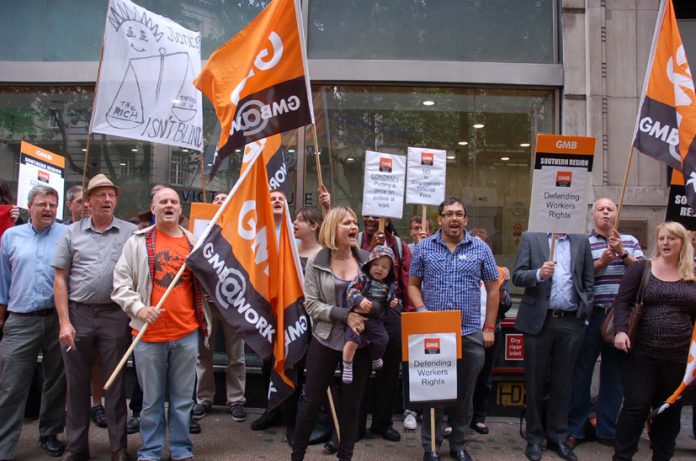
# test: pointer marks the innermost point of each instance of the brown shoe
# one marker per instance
(120, 455)
(71, 456)
(572, 442)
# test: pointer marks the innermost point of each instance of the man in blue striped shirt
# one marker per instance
(446, 272)
(612, 253)
(26, 294)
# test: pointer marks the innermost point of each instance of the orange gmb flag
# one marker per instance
(237, 262)
(666, 125)
(293, 337)
(258, 80)
(274, 159)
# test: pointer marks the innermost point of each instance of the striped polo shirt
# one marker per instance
(608, 279)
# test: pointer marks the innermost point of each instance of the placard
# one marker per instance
(514, 346)
(383, 191)
(39, 166)
(425, 184)
(200, 216)
(561, 182)
(678, 209)
(431, 345)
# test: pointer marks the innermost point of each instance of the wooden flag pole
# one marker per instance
(203, 190)
(623, 187)
(85, 166)
(424, 219)
(553, 246)
(382, 223)
(316, 154)
(333, 413)
(432, 430)
(142, 331)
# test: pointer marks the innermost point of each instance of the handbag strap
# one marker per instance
(644, 282)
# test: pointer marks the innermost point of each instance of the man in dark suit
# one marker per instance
(556, 303)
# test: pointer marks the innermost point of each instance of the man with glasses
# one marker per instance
(446, 274)
(89, 320)
(26, 293)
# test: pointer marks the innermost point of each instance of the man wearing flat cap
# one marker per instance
(89, 320)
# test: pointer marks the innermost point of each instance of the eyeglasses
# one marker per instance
(49, 205)
(104, 196)
(454, 214)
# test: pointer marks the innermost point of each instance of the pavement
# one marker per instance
(224, 439)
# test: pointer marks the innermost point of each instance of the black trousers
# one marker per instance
(558, 341)
(321, 365)
(647, 383)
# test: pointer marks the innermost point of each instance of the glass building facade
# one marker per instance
(478, 79)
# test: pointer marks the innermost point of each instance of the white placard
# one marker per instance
(39, 167)
(559, 200)
(432, 367)
(383, 191)
(425, 184)
(145, 87)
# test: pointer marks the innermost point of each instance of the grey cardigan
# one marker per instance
(320, 291)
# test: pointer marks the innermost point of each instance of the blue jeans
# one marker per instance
(610, 387)
(167, 368)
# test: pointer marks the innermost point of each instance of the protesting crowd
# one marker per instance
(78, 293)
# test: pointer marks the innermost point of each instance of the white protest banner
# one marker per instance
(425, 184)
(432, 367)
(383, 191)
(561, 181)
(145, 86)
(430, 349)
(39, 167)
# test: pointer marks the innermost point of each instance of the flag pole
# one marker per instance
(142, 331)
(619, 206)
(202, 161)
(85, 166)
(316, 153)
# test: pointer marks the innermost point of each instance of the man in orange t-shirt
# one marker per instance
(166, 355)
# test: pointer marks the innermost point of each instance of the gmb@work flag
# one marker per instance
(144, 88)
(258, 81)
(666, 124)
(253, 277)
(273, 158)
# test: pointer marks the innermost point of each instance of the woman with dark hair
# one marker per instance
(306, 227)
(484, 384)
(328, 274)
(653, 366)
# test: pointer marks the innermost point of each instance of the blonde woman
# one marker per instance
(654, 366)
(327, 276)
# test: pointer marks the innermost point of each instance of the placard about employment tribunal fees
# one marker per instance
(425, 181)
(39, 166)
(560, 184)
(385, 177)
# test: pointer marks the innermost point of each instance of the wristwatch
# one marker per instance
(625, 255)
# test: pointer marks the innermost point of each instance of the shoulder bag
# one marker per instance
(607, 327)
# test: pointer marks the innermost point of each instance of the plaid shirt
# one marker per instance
(607, 280)
(451, 280)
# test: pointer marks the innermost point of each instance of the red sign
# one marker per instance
(432, 345)
(514, 346)
(564, 178)
(427, 158)
(385, 164)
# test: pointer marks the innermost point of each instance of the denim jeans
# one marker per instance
(610, 388)
(166, 368)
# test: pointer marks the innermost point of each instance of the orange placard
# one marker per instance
(43, 154)
(558, 144)
(418, 323)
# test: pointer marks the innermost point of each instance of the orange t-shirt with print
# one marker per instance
(178, 317)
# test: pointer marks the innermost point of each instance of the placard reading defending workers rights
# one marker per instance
(40, 167)
(425, 184)
(561, 183)
(432, 367)
(383, 191)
